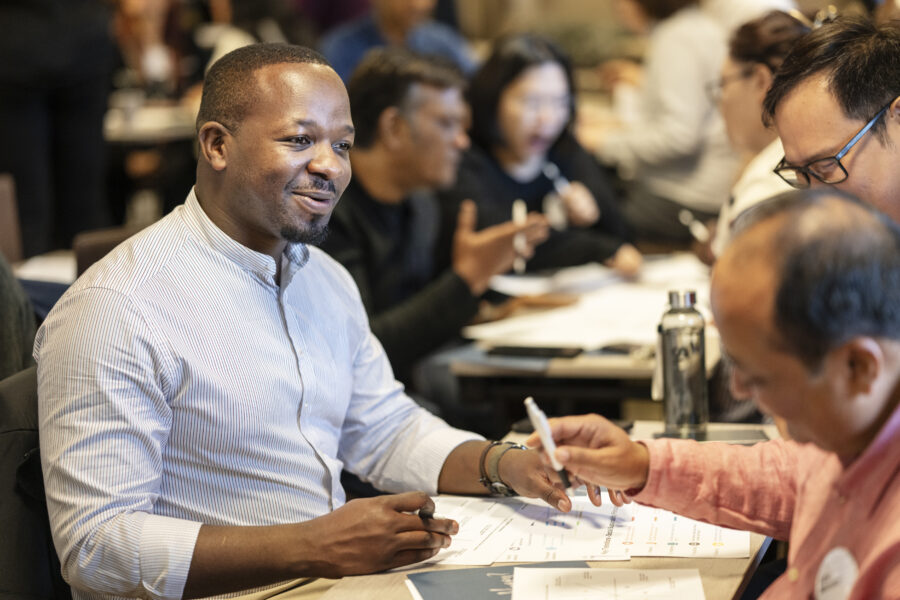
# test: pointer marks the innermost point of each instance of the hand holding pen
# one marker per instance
(542, 428)
(367, 535)
(479, 254)
(595, 452)
(579, 205)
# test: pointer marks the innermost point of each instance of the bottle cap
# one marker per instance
(690, 298)
(674, 299)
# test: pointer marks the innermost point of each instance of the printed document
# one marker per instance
(527, 530)
(587, 532)
(659, 532)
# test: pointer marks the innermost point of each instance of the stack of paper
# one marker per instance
(609, 311)
(520, 530)
(527, 530)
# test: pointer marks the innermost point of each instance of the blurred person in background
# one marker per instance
(410, 119)
(676, 153)
(160, 69)
(395, 23)
(523, 107)
(756, 50)
(55, 61)
(240, 23)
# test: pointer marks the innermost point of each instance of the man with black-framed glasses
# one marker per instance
(829, 169)
(835, 103)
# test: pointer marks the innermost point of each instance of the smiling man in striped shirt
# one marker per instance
(202, 386)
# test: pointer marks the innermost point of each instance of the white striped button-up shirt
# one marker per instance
(180, 385)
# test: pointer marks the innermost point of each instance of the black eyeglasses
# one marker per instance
(828, 170)
(714, 88)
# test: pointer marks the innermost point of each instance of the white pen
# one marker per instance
(697, 229)
(559, 181)
(519, 217)
(542, 426)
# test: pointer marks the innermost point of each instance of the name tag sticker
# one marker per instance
(836, 575)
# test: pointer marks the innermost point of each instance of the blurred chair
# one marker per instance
(10, 230)
(29, 567)
(91, 246)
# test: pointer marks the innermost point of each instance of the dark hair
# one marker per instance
(384, 79)
(860, 59)
(767, 39)
(512, 55)
(663, 9)
(228, 90)
(838, 278)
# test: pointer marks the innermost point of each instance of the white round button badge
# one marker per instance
(836, 575)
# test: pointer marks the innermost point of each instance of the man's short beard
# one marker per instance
(314, 235)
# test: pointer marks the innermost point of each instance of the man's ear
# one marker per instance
(392, 127)
(893, 112)
(864, 361)
(212, 137)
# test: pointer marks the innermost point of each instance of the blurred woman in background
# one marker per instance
(675, 153)
(756, 50)
(522, 102)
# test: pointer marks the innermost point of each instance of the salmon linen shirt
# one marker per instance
(842, 522)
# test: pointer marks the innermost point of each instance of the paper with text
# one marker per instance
(662, 533)
(587, 532)
(527, 530)
(484, 531)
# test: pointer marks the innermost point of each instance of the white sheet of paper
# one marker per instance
(527, 530)
(571, 280)
(621, 584)
(613, 313)
(483, 529)
(659, 532)
(58, 267)
(587, 532)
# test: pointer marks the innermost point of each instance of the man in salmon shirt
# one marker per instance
(807, 301)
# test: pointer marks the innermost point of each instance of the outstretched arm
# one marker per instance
(734, 486)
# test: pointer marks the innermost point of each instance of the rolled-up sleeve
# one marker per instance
(751, 488)
(104, 423)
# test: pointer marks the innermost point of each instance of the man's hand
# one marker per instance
(479, 255)
(581, 207)
(522, 471)
(374, 534)
(626, 261)
(597, 452)
(363, 536)
(703, 250)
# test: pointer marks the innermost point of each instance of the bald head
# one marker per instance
(814, 268)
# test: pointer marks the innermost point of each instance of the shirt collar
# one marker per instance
(257, 263)
(875, 468)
